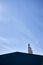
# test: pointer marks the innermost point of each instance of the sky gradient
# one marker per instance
(21, 22)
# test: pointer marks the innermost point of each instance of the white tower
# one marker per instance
(29, 49)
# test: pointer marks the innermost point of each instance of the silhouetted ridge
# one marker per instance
(18, 58)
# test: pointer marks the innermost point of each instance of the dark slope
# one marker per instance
(18, 58)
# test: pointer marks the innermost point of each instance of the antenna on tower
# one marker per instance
(30, 49)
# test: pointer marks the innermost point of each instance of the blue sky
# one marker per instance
(21, 22)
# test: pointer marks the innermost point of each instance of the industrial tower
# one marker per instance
(30, 49)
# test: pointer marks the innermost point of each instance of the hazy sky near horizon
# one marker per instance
(21, 22)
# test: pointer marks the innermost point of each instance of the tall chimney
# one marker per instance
(29, 49)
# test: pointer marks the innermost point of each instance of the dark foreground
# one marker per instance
(18, 58)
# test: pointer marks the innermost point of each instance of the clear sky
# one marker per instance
(21, 22)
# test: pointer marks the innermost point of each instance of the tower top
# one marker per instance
(28, 45)
(29, 49)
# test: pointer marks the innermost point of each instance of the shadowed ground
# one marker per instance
(18, 58)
